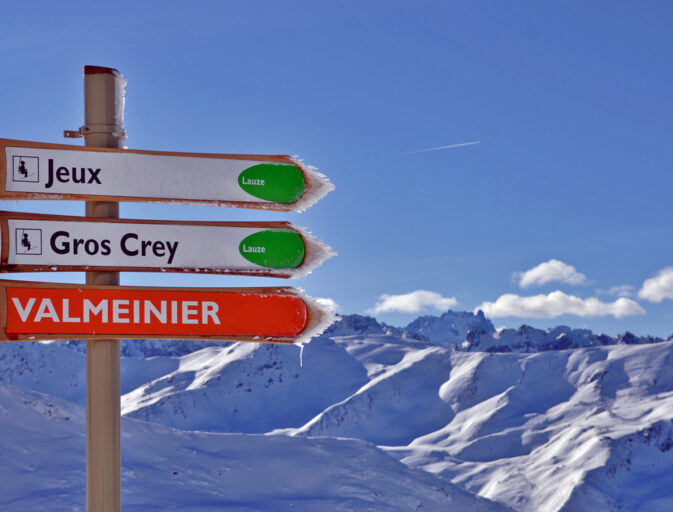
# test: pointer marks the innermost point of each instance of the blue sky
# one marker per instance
(571, 105)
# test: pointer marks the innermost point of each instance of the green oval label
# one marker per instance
(278, 183)
(274, 249)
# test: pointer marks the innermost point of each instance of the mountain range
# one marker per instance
(447, 413)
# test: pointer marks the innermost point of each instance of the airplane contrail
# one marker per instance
(437, 148)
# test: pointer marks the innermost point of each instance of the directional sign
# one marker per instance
(32, 242)
(32, 170)
(39, 311)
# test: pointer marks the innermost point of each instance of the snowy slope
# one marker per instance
(637, 476)
(55, 369)
(42, 468)
(44, 367)
(42, 448)
(539, 420)
(259, 388)
(247, 387)
(395, 407)
(547, 431)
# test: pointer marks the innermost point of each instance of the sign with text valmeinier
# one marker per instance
(45, 311)
(33, 170)
(32, 242)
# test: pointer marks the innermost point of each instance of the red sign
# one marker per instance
(49, 311)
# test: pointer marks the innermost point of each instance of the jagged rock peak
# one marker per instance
(451, 327)
(530, 339)
(348, 325)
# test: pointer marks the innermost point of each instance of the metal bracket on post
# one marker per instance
(110, 129)
(73, 134)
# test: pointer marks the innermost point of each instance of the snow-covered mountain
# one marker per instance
(247, 387)
(530, 339)
(42, 467)
(557, 430)
(536, 420)
(450, 328)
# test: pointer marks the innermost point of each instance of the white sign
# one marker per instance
(50, 171)
(68, 243)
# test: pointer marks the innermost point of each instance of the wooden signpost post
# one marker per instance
(102, 312)
(104, 127)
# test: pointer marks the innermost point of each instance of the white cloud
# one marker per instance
(556, 304)
(413, 302)
(621, 290)
(552, 270)
(328, 303)
(659, 287)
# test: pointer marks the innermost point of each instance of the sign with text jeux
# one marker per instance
(34, 170)
(33, 242)
(44, 311)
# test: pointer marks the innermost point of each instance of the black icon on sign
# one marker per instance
(26, 168)
(28, 241)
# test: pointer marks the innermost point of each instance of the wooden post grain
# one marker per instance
(103, 127)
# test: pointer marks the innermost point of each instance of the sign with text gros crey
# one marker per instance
(49, 311)
(33, 242)
(31, 170)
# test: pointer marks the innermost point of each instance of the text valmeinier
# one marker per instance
(153, 312)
